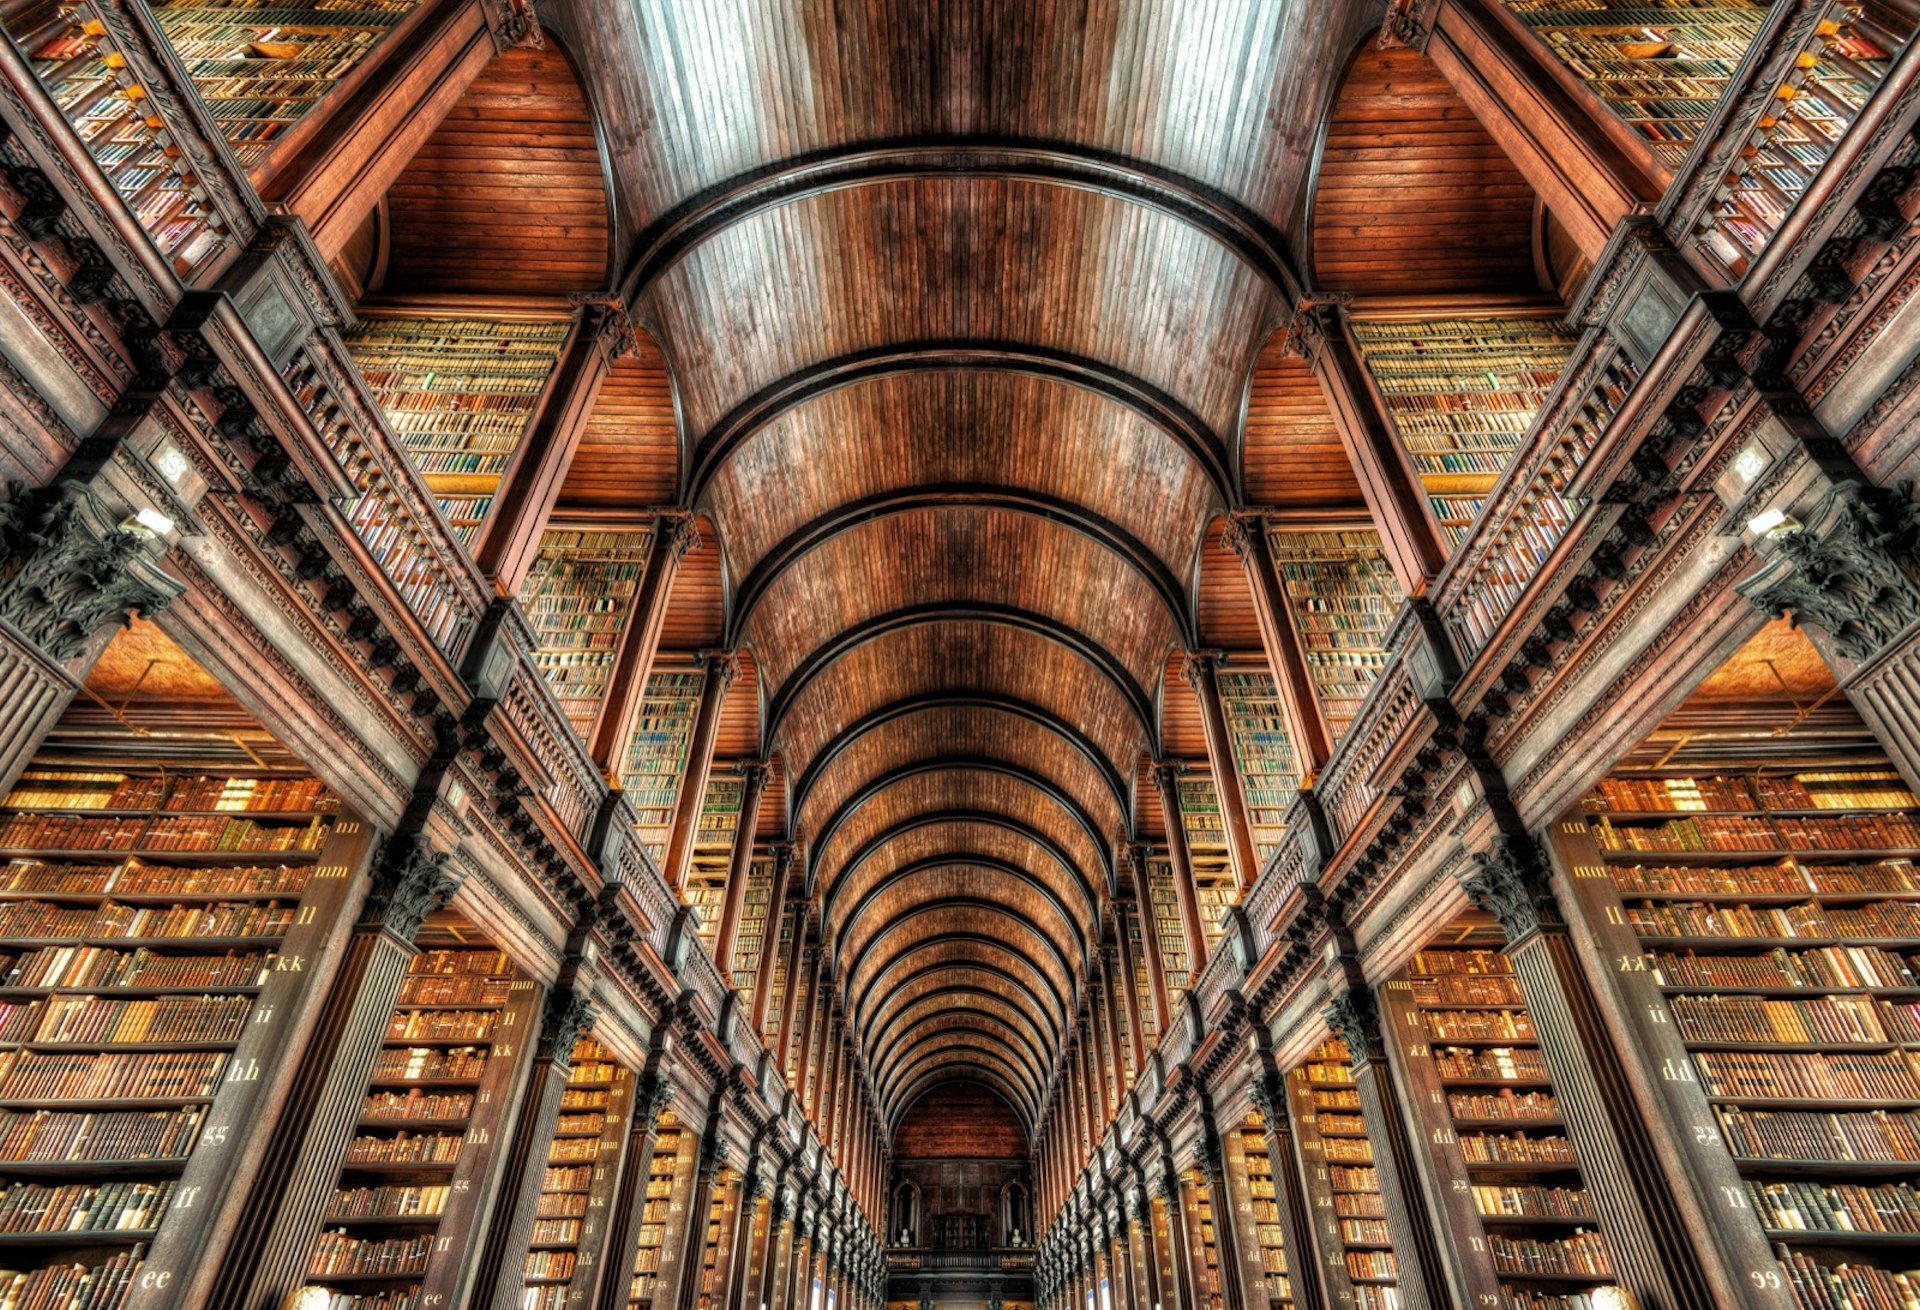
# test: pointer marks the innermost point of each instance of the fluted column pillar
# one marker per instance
(721, 667)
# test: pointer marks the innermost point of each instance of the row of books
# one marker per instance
(27, 1207)
(1785, 878)
(405, 1148)
(1467, 989)
(1505, 1064)
(1838, 1020)
(1840, 832)
(1515, 1148)
(430, 1063)
(43, 919)
(1503, 1104)
(1864, 1075)
(1836, 1207)
(1460, 1025)
(417, 1103)
(389, 1202)
(1853, 1136)
(439, 989)
(135, 878)
(1882, 920)
(1848, 1286)
(340, 1252)
(48, 1075)
(441, 1025)
(1819, 967)
(1871, 789)
(103, 1020)
(1582, 1252)
(59, 790)
(1531, 1202)
(105, 1286)
(59, 1137)
(100, 967)
(189, 833)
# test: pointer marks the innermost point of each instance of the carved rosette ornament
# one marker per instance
(1510, 883)
(410, 881)
(1855, 575)
(567, 1015)
(1355, 1016)
(66, 572)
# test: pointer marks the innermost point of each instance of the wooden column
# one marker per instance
(693, 1248)
(1170, 1227)
(803, 956)
(1587, 165)
(809, 1037)
(1166, 777)
(271, 1249)
(1210, 1159)
(834, 1045)
(721, 667)
(673, 537)
(749, 1231)
(778, 1280)
(1306, 722)
(1203, 673)
(1146, 1251)
(1110, 1015)
(337, 163)
(753, 784)
(1409, 533)
(1150, 944)
(510, 537)
(763, 977)
(1103, 1054)
(1130, 989)
(1651, 1251)
(653, 1094)
(1417, 1244)
(1306, 1254)
(502, 1256)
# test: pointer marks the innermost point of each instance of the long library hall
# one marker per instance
(959, 655)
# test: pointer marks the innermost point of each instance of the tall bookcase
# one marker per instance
(659, 1233)
(1263, 752)
(1461, 394)
(801, 1001)
(1661, 65)
(721, 1216)
(1342, 1181)
(706, 889)
(1140, 922)
(1206, 1241)
(750, 938)
(786, 924)
(1163, 918)
(577, 598)
(576, 1192)
(405, 1211)
(1763, 886)
(1501, 1166)
(459, 392)
(1342, 594)
(1263, 1236)
(657, 755)
(1213, 879)
(114, 114)
(142, 1013)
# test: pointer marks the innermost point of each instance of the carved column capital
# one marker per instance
(1406, 25)
(676, 528)
(1200, 668)
(1853, 572)
(722, 665)
(607, 319)
(1315, 319)
(1355, 1016)
(410, 881)
(1243, 528)
(654, 1095)
(67, 571)
(1267, 1095)
(568, 1013)
(514, 23)
(1510, 882)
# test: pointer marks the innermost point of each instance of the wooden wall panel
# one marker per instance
(629, 455)
(1290, 451)
(1413, 196)
(508, 196)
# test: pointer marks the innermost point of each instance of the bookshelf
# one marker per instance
(801, 1003)
(1508, 1178)
(1163, 908)
(458, 392)
(1210, 1289)
(720, 1219)
(1265, 1239)
(1772, 897)
(1263, 752)
(1213, 878)
(577, 598)
(657, 755)
(577, 1189)
(1142, 981)
(751, 938)
(1461, 394)
(706, 887)
(1343, 1182)
(1844, 62)
(1342, 595)
(1661, 65)
(424, 1151)
(123, 130)
(260, 65)
(670, 1172)
(142, 912)
(777, 975)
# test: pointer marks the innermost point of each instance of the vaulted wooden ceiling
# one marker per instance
(960, 301)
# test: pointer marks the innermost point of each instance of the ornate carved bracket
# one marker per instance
(514, 23)
(1407, 25)
(1307, 329)
(611, 325)
(567, 1015)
